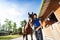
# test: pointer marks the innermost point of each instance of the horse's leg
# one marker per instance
(23, 36)
(31, 36)
(26, 37)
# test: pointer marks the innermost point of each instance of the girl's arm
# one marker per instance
(39, 26)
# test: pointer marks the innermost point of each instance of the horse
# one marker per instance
(28, 29)
(46, 23)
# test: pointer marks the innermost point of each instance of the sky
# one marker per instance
(17, 10)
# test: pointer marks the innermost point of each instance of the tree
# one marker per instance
(9, 25)
(23, 23)
(0, 26)
(14, 27)
(3, 27)
(6, 22)
(20, 30)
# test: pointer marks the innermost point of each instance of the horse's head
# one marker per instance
(31, 16)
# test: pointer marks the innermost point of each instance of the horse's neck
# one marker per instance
(28, 25)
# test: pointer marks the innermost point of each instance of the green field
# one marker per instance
(8, 37)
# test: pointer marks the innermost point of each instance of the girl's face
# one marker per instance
(35, 16)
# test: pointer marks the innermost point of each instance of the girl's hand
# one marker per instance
(37, 29)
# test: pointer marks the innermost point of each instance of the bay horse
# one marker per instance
(51, 19)
(27, 28)
(47, 23)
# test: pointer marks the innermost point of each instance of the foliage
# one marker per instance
(11, 27)
(23, 23)
(14, 27)
(19, 30)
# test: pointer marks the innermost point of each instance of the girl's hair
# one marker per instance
(35, 14)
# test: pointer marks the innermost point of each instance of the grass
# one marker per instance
(9, 37)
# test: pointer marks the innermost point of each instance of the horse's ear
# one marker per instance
(32, 12)
(28, 13)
